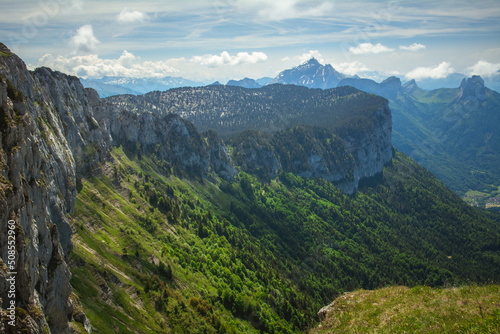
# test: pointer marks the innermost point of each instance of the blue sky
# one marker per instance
(231, 39)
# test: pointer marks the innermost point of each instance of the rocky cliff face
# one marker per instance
(46, 124)
(372, 149)
(363, 122)
(315, 152)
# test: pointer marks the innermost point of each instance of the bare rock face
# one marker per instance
(42, 118)
(172, 139)
(318, 153)
(220, 158)
(373, 149)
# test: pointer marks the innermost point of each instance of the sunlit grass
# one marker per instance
(422, 309)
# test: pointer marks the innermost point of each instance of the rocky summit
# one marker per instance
(310, 74)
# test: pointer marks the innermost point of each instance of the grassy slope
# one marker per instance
(113, 274)
(398, 309)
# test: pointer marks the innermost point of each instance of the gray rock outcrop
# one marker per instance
(41, 124)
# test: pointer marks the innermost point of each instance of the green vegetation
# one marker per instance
(13, 93)
(421, 309)
(158, 253)
(316, 152)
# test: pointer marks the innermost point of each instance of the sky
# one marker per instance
(231, 39)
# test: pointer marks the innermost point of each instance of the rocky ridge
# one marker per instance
(44, 116)
(362, 121)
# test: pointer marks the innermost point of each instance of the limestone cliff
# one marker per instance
(362, 121)
(45, 126)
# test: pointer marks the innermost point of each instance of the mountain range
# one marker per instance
(132, 219)
(231, 110)
(450, 131)
(413, 129)
(311, 74)
(109, 85)
(250, 83)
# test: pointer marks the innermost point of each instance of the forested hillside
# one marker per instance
(230, 110)
(156, 250)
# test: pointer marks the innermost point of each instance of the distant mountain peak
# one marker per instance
(410, 86)
(311, 74)
(475, 80)
(474, 87)
(245, 82)
(392, 81)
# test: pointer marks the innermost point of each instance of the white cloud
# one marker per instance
(91, 66)
(484, 69)
(312, 54)
(290, 9)
(305, 57)
(365, 48)
(351, 68)
(414, 47)
(127, 16)
(84, 40)
(226, 59)
(435, 72)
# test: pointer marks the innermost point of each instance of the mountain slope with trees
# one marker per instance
(249, 256)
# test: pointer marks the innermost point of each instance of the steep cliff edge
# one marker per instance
(45, 125)
(53, 132)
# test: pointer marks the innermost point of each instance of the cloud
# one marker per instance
(290, 9)
(84, 41)
(365, 48)
(351, 68)
(484, 69)
(312, 54)
(440, 71)
(305, 57)
(127, 16)
(226, 59)
(91, 66)
(414, 47)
